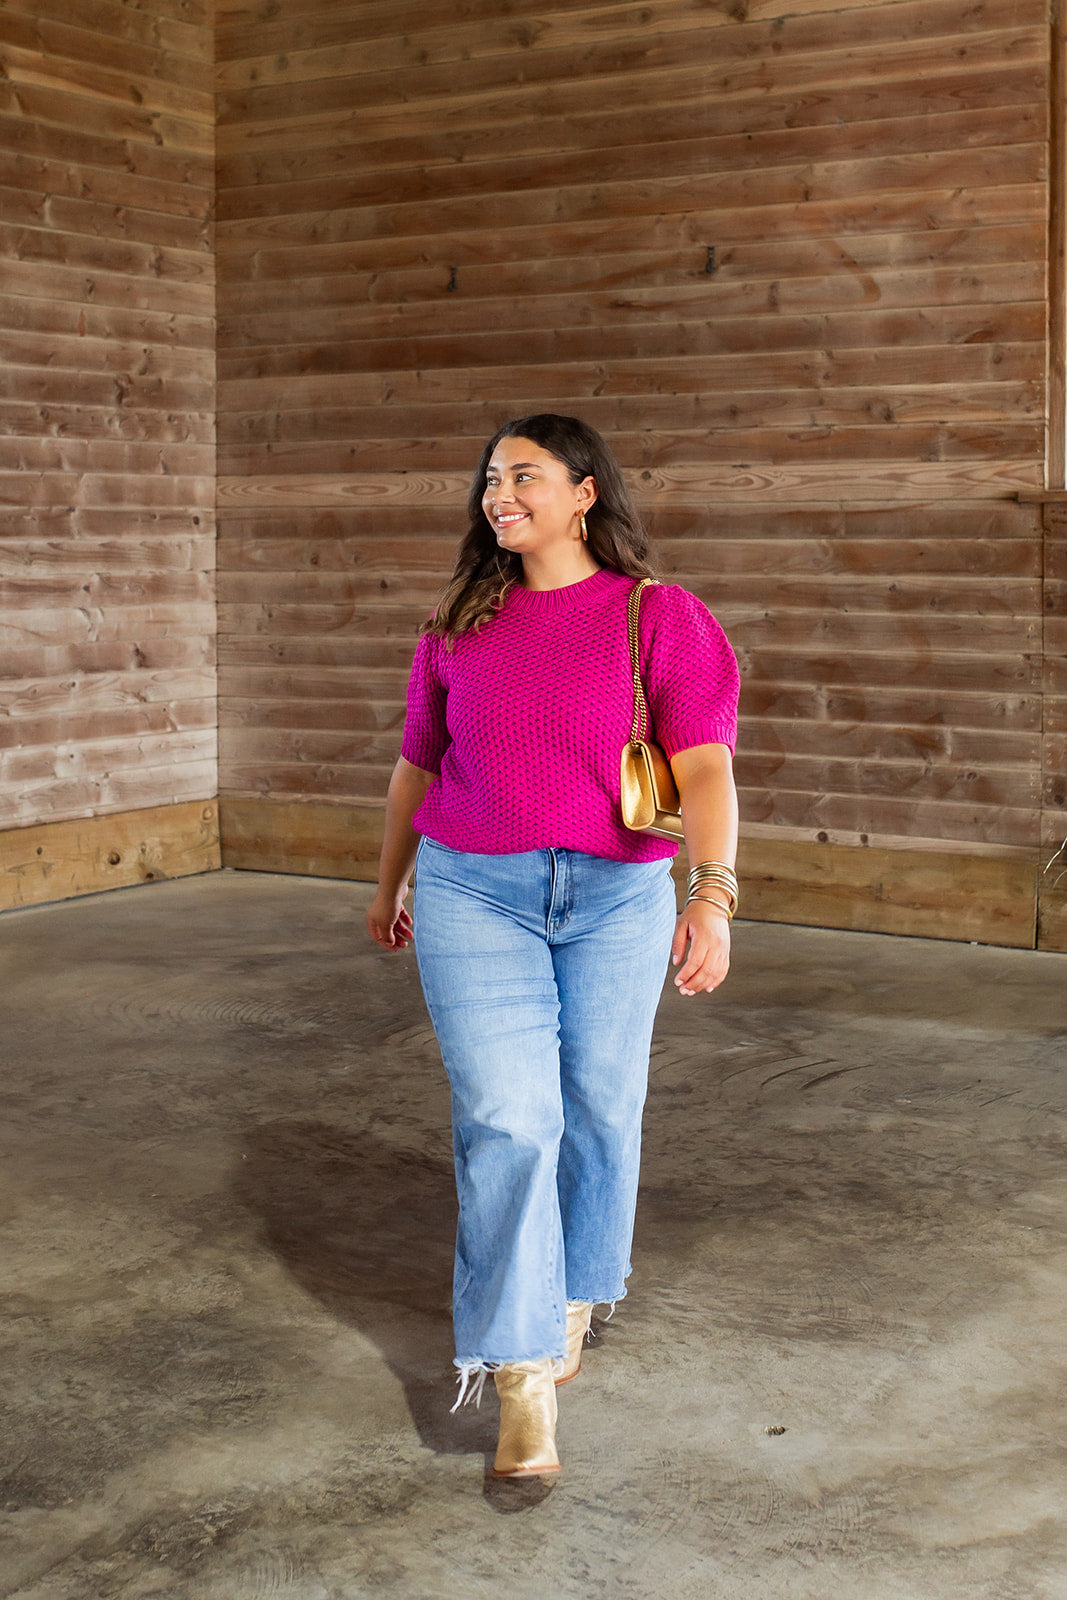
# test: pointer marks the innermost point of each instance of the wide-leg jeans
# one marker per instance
(542, 972)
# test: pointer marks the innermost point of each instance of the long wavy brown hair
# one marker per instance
(484, 573)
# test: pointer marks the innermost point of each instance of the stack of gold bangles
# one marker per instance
(714, 875)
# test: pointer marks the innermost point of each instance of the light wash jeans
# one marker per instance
(542, 972)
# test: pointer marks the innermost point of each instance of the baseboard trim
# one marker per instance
(313, 837)
(933, 894)
(60, 860)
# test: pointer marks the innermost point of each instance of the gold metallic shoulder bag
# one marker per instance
(650, 802)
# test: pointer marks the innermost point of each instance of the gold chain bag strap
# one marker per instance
(650, 802)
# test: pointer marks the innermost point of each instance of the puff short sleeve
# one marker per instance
(426, 736)
(689, 671)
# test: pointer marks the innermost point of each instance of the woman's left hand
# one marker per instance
(707, 933)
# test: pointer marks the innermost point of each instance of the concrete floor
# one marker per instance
(226, 1213)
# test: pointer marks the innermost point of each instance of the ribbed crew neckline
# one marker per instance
(572, 597)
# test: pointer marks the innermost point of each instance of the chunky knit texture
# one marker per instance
(525, 720)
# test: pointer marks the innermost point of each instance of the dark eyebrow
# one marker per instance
(517, 466)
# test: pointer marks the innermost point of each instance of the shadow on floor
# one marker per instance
(368, 1231)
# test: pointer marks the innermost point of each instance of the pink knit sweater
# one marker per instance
(525, 720)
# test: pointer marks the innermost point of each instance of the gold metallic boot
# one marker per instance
(579, 1313)
(527, 1447)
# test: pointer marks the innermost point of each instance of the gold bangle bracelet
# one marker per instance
(712, 874)
(728, 889)
(711, 866)
(728, 914)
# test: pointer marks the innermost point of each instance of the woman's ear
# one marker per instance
(587, 493)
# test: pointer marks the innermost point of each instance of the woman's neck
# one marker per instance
(557, 569)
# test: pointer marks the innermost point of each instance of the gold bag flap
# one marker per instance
(648, 791)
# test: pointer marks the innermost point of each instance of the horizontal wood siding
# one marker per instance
(789, 257)
(107, 374)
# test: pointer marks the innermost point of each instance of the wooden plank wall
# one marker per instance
(107, 615)
(789, 255)
(1052, 900)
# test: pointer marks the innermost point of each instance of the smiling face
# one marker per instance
(530, 502)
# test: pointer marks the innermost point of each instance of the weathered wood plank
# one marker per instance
(42, 629)
(785, 425)
(1007, 322)
(682, 561)
(27, 454)
(122, 654)
(27, 420)
(741, 152)
(870, 481)
(71, 60)
(326, 841)
(186, 35)
(810, 184)
(831, 292)
(89, 590)
(676, 103)
(371, 137)
(74, 323)
(123, 789)
(73, 557)
(741, 58)
(903, 816)
(59, 860)
(104, 160)
(22, 771)
(67, 283)
(957, 752)
(121, 389)
(303, 442)
(931, 894)
(720, 33)
(31, 209)
(561, 387)
(467, 242)
(29, 700)
(48, 742)
(766, 447)
(994, 672)
(248, 26)
(142, 260)
(99, 489)
(43, 48)
(751, 265)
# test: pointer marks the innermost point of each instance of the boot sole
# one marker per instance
(528, 1472)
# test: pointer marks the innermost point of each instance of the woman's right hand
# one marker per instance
(388, 923)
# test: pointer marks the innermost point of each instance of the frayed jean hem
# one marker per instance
(471, 1376)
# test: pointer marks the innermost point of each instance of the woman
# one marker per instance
(543, 925)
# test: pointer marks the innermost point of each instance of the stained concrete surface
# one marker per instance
(227, 1210)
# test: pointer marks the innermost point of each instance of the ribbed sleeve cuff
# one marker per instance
(428, 760)
(700, 733)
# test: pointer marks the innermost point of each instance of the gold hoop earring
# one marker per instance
(585, 530)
